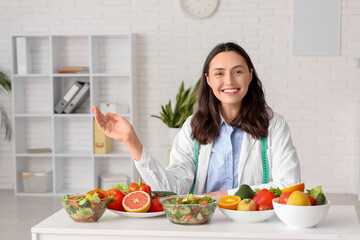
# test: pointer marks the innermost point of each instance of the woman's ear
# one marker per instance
(251, 74)
(207, 78)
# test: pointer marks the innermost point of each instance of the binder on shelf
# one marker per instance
(23, 58)
(78, 99)
(70, 94)
(102, 143)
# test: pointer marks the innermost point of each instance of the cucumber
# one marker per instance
(183, 210)
(163, 193)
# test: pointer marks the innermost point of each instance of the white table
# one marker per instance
(340, 223)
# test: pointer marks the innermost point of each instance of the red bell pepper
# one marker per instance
(264, 197)
(139, 187)
(116, 198)
(101, 193)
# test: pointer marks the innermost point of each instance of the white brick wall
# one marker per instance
(319, 96)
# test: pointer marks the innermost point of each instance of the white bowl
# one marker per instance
(247, 216)
(300, 216)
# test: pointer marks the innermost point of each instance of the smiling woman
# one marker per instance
(223, 145)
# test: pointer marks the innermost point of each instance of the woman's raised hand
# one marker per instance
(118, 128)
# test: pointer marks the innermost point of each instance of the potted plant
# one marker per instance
(184, 107)
(5, 123)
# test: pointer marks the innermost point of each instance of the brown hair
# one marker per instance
(254, 115)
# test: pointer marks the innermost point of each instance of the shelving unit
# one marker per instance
(75, 168)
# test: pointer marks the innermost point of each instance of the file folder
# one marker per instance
(79, 98)
(70, 94)
(23, 57)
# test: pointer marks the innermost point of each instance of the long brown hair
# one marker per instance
(254, 115)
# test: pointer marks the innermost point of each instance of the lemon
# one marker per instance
(298, 198)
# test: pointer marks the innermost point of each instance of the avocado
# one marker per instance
(245, 191)
(320, 199)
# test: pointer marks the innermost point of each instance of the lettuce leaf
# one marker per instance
(314, 192)
(123, 188)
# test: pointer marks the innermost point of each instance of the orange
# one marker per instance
(229, 202)
(298, 198)
(299, 187)
(137, 202)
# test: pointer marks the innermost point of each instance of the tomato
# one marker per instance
(264, 197)
(139, 187)
(263, 207)
(156, 206)
(116, 198)
(312, 200)
(101, 193)
(284, 197)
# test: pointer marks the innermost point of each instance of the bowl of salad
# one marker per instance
(85, 208)
(189, 209)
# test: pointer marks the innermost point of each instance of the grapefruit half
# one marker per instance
(137, 202)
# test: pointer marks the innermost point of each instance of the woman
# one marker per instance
(231, 120)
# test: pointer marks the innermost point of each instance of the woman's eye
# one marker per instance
(238, 72)
(219, 74)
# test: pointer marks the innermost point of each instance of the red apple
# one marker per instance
(247, 204)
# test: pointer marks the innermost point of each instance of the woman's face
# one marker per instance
(229, 78)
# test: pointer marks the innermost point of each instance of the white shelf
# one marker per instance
(111, 62)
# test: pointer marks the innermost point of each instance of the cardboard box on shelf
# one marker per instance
(37, 182)
(102, 143)
(110, 181)
(116, 108)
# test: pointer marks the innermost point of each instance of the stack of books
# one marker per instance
(74, 70)
(73, 98)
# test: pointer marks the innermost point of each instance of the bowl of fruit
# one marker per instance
(86, 208)
(189, 209)
(247, 206)
(298, 209)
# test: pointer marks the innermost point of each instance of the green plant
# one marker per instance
(5, 123)
(184, 107)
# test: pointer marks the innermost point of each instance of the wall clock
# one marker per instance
(198, 9)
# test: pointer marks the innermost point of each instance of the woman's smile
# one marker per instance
(231, 91)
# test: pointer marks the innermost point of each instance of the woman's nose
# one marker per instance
(229, 79)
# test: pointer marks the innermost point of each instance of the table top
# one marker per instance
(340, 222)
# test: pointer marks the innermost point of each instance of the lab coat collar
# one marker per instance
(247, 144)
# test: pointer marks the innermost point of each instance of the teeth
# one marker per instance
(230, 90)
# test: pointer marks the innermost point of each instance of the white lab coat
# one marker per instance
(283, 162)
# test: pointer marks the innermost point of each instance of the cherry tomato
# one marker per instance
(312, 200)
(284, 197)
(263, 207)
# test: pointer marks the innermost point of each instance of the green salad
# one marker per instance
(190, 209)
(84, 208)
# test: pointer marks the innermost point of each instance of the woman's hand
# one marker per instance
(118, 128)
